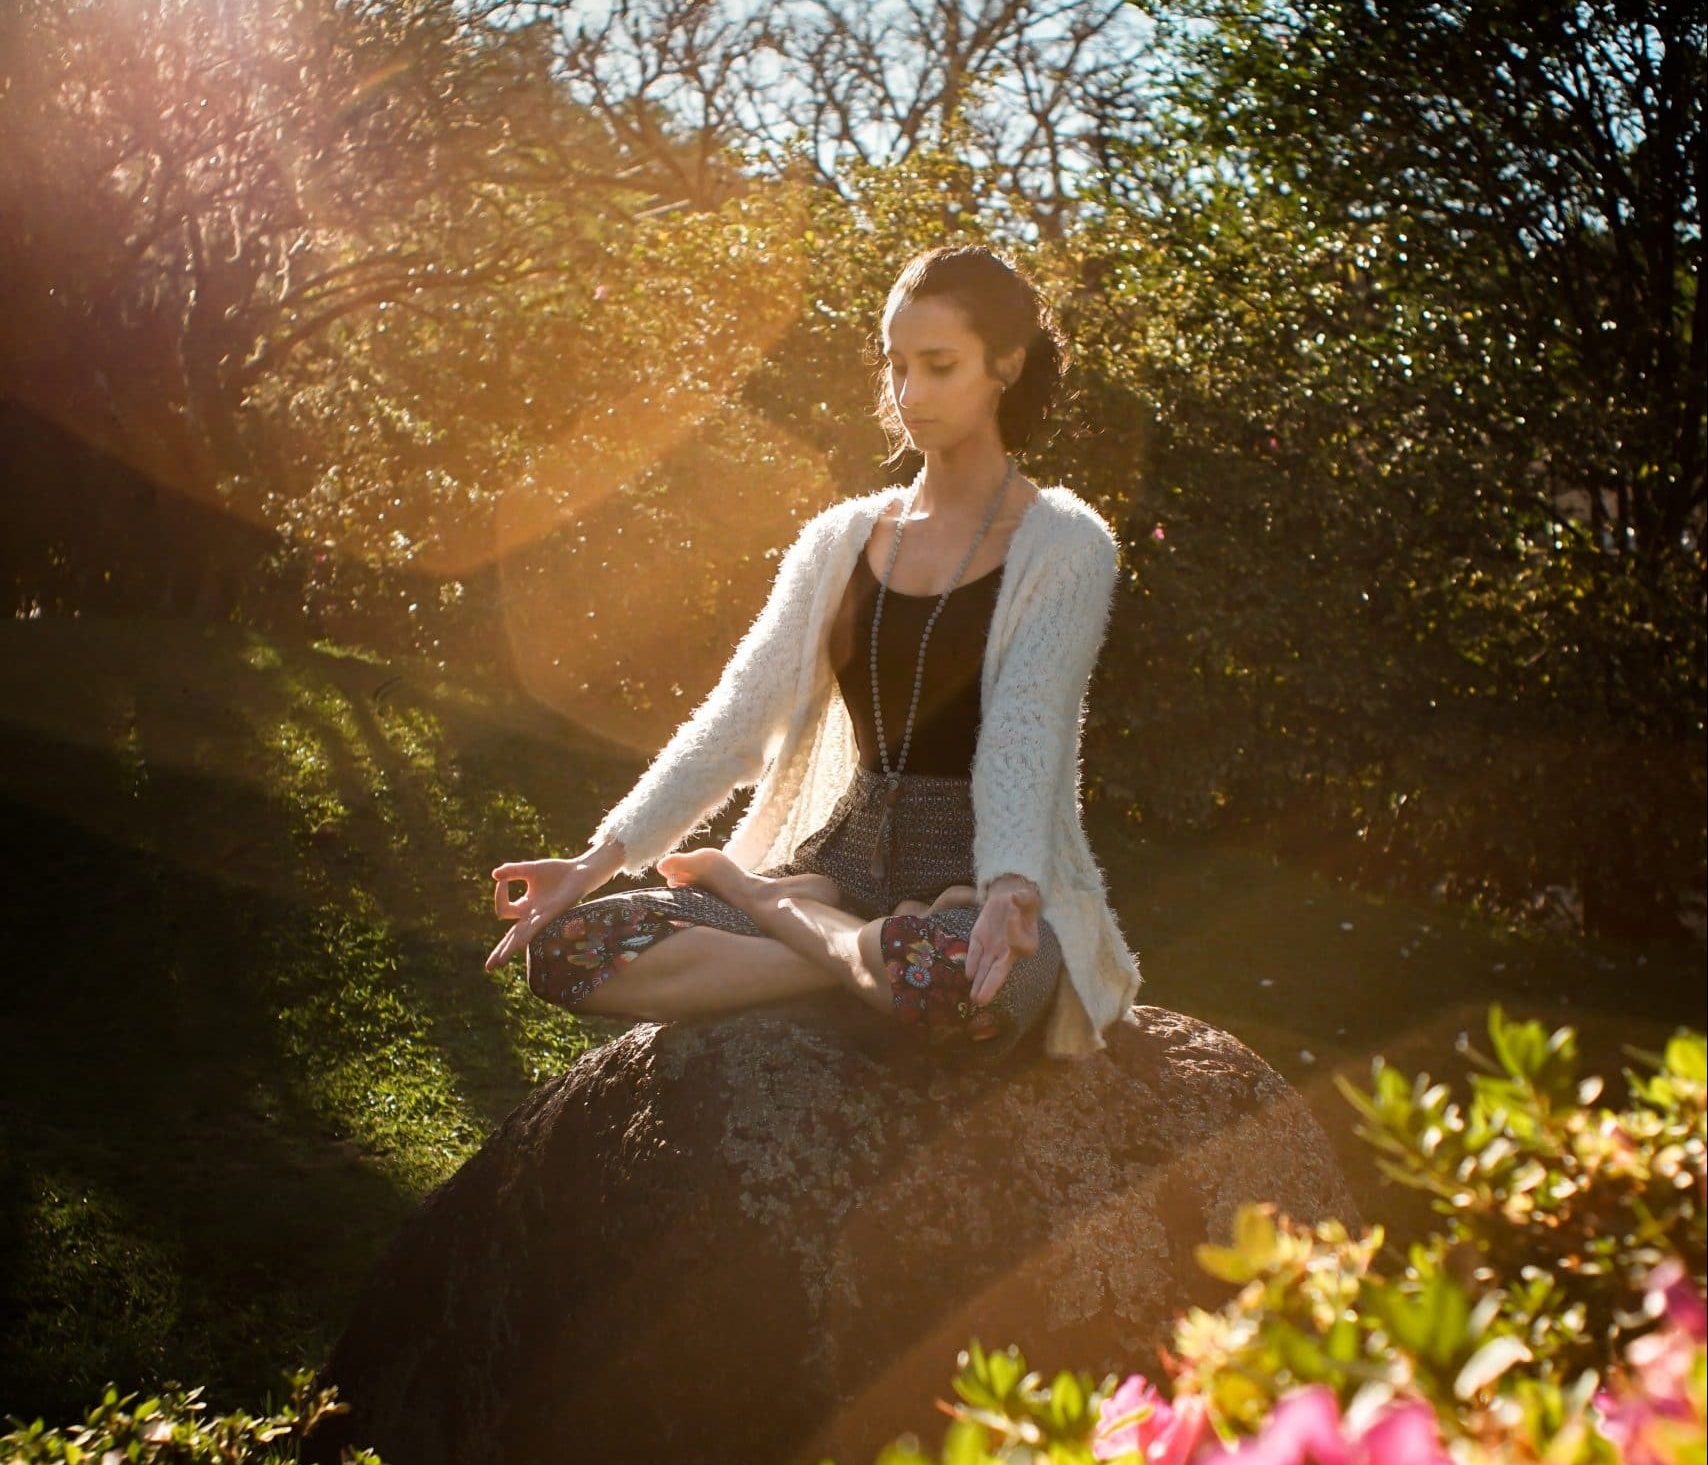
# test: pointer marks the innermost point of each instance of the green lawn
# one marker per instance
(245, 1025)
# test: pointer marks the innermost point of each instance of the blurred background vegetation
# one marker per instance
(520, 336)
(403, 403)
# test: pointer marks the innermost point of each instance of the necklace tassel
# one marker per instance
(881, 841)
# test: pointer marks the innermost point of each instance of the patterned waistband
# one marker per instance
(917, 788)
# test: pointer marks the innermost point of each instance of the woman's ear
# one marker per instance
(1009, 367)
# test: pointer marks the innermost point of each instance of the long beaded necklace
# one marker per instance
(881, 841)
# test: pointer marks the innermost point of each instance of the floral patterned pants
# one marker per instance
(930, 849)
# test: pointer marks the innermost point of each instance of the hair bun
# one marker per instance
(1005, 310)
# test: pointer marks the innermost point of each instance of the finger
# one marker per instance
(990, 979)
(512, 941)
(502, 905)
(518, 937)
(1022, 934)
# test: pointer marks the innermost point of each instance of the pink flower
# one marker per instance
(1641, 1428)
(1651, 1415)
(1671, 1288)
(1404, 1434)
(1305, 1428)
(1137, 1418)
(1157, 533)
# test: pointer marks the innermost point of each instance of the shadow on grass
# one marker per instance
(245, 1025)
(173, 1203)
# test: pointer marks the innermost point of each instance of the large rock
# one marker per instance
(764, 1238)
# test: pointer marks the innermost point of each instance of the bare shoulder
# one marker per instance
(1024, 494)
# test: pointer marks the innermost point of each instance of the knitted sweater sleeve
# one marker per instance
(725, 742)
(1029, 736)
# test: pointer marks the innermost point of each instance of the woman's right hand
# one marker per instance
(553, 886)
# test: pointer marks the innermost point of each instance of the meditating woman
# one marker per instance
(908, 707)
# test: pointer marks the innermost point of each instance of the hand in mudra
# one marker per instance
(553, 886)
(1005, 932)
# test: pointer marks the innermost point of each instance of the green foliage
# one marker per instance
(1007, 1413)
(1507, 1322)
(298, 1038)
(1426, 569)
(1574, 1203)
(170, 1428)
(1430, 575)
(1487, 1357)
(1556, 1213)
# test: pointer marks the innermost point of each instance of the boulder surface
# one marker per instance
(764, 1238)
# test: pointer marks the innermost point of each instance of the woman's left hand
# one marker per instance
(1005, 932)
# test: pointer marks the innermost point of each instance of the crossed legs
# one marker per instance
(801, 911)
(809, 945)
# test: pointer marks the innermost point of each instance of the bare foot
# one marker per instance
(801, 911)
(713, 870)
(954, 895)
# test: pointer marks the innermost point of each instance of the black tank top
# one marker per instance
(946, 725)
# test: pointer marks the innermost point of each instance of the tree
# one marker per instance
(196, 194)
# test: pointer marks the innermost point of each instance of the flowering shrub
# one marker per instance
(1556, 1316)
(1654, 1413)
(1136, 1419)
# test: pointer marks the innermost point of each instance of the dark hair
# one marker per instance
(1005, 310)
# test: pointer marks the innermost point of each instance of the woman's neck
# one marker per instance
(958, 481)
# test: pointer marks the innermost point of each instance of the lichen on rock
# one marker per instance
(763, 1237)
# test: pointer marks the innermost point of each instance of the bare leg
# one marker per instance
(838, 941)
(852, 948)
(701, 970)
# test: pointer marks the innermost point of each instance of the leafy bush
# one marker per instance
(1557, 1314)
(168, 1429)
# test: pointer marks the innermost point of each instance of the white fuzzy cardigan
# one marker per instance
(776, 719)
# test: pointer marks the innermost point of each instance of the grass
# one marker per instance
(245, 1025)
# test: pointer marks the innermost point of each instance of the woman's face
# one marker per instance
(937, 374)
